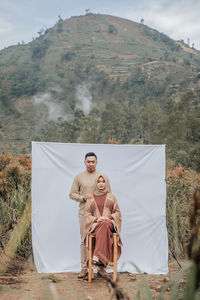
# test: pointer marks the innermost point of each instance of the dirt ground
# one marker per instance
(30, 285)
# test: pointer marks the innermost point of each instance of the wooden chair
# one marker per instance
(111, 265)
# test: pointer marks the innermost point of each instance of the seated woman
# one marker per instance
(102, 218)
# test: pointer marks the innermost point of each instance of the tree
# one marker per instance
(112, 29)
(90, 131)
(73, 128)
(59, 27)
(114, 123)
(179, 129)
(40, 47)
(41, 31)
(60, 18)
(142, 21)
(149, 115)
(189, 108)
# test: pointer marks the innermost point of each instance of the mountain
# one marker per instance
(84, 62)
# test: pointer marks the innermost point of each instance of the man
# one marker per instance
(84, 185)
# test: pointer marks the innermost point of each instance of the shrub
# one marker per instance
(181, 183)
(112, 29)
(13, 172)
(15, 179)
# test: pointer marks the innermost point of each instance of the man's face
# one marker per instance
(91, 163)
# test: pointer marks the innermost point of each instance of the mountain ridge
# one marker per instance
(110, 57)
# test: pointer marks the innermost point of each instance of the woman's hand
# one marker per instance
(100, 219)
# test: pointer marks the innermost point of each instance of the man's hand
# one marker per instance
(88, 197)
(85, 198)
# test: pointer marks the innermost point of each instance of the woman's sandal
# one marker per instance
(97, 263)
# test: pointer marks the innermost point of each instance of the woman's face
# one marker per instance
(101, 183)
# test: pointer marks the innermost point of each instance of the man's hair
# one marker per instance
(90, 154)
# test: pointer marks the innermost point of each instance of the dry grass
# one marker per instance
(15, 207)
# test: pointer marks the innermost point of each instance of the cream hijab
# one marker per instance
(99, 192)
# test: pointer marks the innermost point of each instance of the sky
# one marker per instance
(20, 20)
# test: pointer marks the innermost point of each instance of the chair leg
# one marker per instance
(115, 258)
(90, 266)
(90, 273)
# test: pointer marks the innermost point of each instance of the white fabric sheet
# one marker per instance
(137, 177)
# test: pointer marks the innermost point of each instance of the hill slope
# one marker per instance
(84, 62)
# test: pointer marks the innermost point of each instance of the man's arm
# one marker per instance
(75, 193)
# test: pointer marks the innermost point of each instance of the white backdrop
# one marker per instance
(137, 177)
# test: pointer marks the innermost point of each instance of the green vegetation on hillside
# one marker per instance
(97, 77)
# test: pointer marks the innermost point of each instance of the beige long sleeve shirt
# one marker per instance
(84, 185)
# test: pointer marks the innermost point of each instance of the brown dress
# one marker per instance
(103, 205)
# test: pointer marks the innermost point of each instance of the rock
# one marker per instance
(166, 279)
(158, 288)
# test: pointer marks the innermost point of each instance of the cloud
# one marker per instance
(5, 27)
(10, 33)
(178, 19)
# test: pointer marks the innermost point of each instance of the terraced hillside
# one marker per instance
(84, 62)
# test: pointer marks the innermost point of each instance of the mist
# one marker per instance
(84, 97)
(53, 110)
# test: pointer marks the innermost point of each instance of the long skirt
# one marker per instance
(103, 233)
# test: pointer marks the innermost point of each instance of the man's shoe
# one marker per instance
(83, 273)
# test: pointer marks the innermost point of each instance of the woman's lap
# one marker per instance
(104, 241)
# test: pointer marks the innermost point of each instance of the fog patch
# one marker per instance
(84, 97)
(52, 110)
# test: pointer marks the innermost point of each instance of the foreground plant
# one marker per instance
(181, 183)
(193, 280)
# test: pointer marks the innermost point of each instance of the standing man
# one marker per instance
(84, 185)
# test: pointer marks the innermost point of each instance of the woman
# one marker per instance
(102, 218)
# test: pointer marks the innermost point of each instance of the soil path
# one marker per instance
(30, 285)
